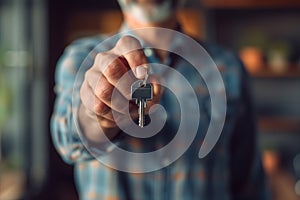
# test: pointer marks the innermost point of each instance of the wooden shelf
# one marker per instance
(87, 23)
(237, 4)
(279, 124)
(192, 21)
(293, 71)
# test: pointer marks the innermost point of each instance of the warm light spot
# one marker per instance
(252, 57)
(111, 198)
(179, 176)
(92, 195)
(201, 175)
(95, 163)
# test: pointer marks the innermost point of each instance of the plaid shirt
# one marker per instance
(232, 170)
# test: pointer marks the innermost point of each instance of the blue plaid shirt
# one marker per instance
(232, 170)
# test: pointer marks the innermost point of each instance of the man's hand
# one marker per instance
(96, 92)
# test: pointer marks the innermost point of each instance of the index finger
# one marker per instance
(131, 49)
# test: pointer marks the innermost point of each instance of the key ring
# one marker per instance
(146, 78)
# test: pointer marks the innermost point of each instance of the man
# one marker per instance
(232, 170)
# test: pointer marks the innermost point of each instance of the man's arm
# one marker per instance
(63, 128)
(90, 114)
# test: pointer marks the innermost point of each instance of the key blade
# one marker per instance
(141, 113)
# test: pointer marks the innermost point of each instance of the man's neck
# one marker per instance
(170, 23)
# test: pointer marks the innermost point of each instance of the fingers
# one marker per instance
(100, 103)
(130, 48)
(99, 100)
(157, 91)
(110, 76)
(126, 55)
(114, 69)
(156, 87)
(111, 66)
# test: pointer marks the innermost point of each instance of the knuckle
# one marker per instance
(114, 71)
(103, 60)
(87, 74)
(99, 57)
(136, 58)
(105, 94)
(127, 44)
(104, 90)
(101, 109)
(125, 40)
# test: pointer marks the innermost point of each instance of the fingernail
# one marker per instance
(141, 72)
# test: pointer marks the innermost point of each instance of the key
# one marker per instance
(141, 92)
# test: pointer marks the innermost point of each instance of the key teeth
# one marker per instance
(141, 121)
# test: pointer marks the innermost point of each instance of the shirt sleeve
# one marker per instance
(71, 67)
(248, 180)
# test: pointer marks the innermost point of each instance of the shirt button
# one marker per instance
(148, 52)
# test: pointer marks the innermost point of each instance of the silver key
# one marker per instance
(141, 92)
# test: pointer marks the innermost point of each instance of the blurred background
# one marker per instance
(33, 34)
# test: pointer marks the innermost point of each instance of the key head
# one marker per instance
(139, 91)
